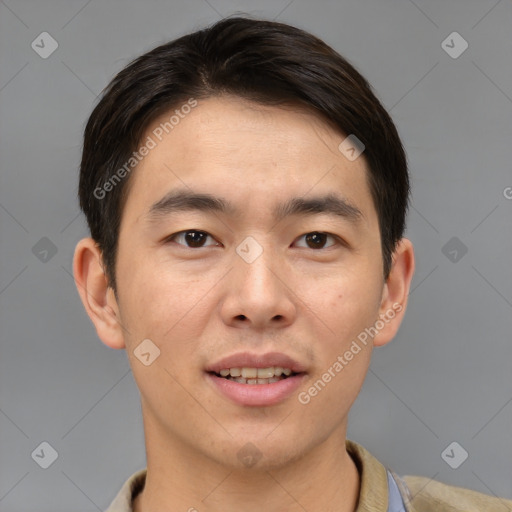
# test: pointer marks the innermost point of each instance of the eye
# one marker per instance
(317, 239)
(191, 238)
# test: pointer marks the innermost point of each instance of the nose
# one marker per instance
(259, 294)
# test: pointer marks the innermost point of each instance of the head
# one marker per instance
(228, 220)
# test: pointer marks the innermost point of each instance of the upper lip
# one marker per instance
(249, 360)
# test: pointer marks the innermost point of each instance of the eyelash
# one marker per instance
(171, 238)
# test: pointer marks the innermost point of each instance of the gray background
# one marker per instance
(446, 377)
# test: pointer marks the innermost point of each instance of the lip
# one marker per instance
(256, 395)
(248, 360)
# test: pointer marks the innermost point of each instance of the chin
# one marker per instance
(261, 454)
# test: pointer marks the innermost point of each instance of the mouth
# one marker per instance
(256, 380)
(256, 376)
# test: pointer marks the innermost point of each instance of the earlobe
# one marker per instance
(97, 298)
(395, 292)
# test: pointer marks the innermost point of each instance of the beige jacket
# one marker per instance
(420, 494)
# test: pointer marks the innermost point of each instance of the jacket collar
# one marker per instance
(373, 492)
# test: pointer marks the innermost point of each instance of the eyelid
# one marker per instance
(336, 238)
(171, 238)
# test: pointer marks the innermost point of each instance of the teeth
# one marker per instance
(254, 376)
(252, 382)
(249, 373)
(255, 373)
(265, 373)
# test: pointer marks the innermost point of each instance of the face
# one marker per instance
(251, 280)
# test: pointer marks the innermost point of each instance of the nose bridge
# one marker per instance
(256, 292)
(256, 265)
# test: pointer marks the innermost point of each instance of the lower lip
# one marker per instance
(257, 395)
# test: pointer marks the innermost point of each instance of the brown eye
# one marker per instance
(317, 240)
(191, 238)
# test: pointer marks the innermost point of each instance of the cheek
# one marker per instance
(158, 297)
(169, 311)
(348, 305)
(343, 355)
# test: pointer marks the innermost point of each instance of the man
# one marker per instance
(246, 195)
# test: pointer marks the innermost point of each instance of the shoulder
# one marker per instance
(123, 502)
(426, 495)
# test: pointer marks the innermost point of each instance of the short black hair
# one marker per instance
(264, 61)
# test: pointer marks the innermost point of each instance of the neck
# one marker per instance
(178, 478)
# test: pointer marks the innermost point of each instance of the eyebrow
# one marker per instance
(186, 200)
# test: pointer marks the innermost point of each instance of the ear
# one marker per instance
(395, 293)
(97, 297)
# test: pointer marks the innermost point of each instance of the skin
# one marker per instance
(201, 304)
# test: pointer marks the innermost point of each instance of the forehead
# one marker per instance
(245, 151)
